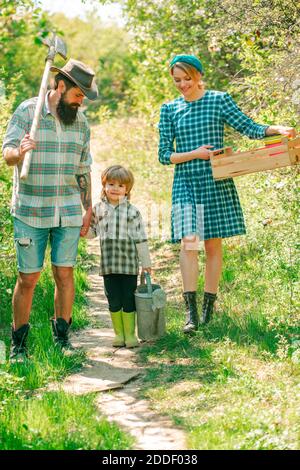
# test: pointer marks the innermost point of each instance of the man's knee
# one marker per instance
(28, 281)
(63, 276)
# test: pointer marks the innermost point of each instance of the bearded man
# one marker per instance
(48, 204)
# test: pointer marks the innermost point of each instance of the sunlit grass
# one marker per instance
(58, 421)
(31, 418)
(234, 384)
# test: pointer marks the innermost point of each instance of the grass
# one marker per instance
(225, 395)
(58, 421)
(31, 418)
(235, 384)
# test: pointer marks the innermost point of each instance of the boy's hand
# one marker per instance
(94, 219)
(146, 270)
(86, 223)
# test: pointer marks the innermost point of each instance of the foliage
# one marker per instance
(21, 52)
(250, 48)
(7, 262)
(22, 55)
(162, 29)
(109, 55)
(235, 384)
(265, 37)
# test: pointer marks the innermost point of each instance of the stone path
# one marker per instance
(123, 406)
(109, 368)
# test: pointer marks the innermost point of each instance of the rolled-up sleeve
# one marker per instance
(86, 158)
(234, 117)
(18, 126)
(166, 136)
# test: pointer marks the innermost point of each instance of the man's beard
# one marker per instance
(66, 112)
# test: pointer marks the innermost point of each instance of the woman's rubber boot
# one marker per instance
(192, 319)
(60, 329)
(208, 307)
(18, 352)
(131, 340)
(117, 321)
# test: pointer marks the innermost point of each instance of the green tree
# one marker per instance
(21, 53)
(163, 29)
(264, 36)
(250, 47)
(105, 48)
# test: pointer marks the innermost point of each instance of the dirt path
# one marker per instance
(114, 371)
(123, 405)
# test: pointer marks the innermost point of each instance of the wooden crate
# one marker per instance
(226, 164)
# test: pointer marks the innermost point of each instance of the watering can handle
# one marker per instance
(146, 276)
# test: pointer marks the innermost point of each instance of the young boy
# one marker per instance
(123, 244)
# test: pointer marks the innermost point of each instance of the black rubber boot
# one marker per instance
(18, 352)
(192, 320)
(207, 306)
(60, 333)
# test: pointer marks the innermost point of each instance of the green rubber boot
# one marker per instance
(131, 340)
(117, 321)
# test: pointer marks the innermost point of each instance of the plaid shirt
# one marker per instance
(201, 122)
(50, 196)
(120, 229)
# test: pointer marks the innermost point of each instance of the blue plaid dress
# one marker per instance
(200, 204)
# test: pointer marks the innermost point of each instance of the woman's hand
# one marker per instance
(202, 153)
(286, 131)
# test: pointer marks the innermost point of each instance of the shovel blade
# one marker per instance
(58, 44)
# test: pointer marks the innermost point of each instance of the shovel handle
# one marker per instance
(36, 118)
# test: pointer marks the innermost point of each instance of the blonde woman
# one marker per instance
(202, 208)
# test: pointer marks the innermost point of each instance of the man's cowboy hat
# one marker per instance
(81, 75)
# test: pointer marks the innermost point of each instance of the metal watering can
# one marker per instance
(150, 300)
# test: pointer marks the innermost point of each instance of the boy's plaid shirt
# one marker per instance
(50, 196)
(120, 229)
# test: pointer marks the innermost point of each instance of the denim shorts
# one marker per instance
(31, 243)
